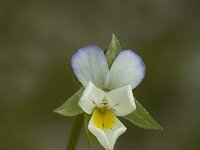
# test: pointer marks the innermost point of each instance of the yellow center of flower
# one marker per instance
(103, 118)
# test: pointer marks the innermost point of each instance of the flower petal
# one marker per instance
(91, 97)
(107, 137)
(121, 101)
(127, 69)
(89, 64)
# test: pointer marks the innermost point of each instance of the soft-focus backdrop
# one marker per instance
(38, 38)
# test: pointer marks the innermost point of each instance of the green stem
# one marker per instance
(75, 133)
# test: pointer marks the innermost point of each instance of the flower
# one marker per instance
(108, 93)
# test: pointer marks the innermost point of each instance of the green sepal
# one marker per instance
(91, 138)
(113, 50)
(71, 107)
(142, 118)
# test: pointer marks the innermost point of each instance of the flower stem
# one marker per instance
(75, 133)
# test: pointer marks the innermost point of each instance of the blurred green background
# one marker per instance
(38, 38)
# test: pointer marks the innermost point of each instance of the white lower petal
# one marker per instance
(91, 97)
(121, 100)
(108, 136)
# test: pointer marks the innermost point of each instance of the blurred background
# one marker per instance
(38, 38)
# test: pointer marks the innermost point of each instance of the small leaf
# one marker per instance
(142, 118)
(113, 50)
(71, 106)
(90, 136)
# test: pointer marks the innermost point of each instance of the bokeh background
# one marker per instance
(38, 38)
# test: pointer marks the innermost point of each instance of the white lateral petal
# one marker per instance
(89, 64)
(127, 69)
(107, 137)
(121, 101)
(91, 97)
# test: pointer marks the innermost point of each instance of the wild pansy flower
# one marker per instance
(108, 92)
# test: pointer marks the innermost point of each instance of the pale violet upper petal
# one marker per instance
(89, 64)
(121, 101)
(91, 97)
(107, 137)
(127, 69)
